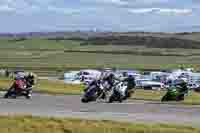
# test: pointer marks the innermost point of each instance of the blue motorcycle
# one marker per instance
(92, 92)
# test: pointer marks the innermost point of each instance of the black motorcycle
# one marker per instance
(14, 93)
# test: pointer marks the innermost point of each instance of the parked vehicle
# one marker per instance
(72, 77)
(149, 84)
(88, 75)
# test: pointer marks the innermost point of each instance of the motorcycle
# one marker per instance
(92, 92)
(173, 94)
(19, 88)
(118, 92)
(13, 93)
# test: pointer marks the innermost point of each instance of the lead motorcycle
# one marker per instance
(12, 93)
(93, 91)
(16, 91)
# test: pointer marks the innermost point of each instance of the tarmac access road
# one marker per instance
(130, 111)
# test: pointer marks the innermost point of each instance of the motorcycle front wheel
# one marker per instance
(83, 100)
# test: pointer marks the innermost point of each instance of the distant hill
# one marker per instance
(50, 34)
(145, 39)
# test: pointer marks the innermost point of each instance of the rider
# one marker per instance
(30, 79)
(110, 78)
(131, 84)
(183, 87)
(95, 82)
(19, 83)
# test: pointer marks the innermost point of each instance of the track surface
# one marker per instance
(70, 106)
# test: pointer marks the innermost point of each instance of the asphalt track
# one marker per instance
(71, 106)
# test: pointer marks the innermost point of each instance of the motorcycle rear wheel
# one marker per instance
(111, 99)
(180, 97)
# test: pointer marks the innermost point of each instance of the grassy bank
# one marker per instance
(29, 124)
(51, 57)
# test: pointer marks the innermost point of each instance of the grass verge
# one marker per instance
(29, 124)
(192, 99)
(58, 87)
(46, 86)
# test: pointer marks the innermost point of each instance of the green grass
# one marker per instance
(46, 57)
(45, 86)
(62, 60)
(58, 87)
(37, 44)
(29, 124)
(43, 44)
(192, 99)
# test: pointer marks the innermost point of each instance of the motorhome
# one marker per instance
(146, 82)
(72, 77)
(159, 76)
(194, 80)
(88, 75)
(149, 84)
(125, 73)
(153, 85)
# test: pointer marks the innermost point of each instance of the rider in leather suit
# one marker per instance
(131, 84)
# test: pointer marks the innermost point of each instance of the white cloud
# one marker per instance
(32, 6)
(176, 11)
(126, 2)
(151, 1)
(6, 8)
(118, 2)
(141, 10)
(67, 11)
(101, 14)
(15, 6)
(162, 11)
(113, 2)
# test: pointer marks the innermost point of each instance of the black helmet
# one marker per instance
(111, 75)
(130, 76)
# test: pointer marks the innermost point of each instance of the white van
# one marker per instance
(88, 75)
(149, 84)
(72, 77)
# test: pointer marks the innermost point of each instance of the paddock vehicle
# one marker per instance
(173, 94)
(148, 84)
(14, 93)
(88, 75)
(118, 92)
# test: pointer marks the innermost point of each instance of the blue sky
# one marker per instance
(110, 15)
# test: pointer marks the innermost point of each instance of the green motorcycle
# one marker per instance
(173, 94)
